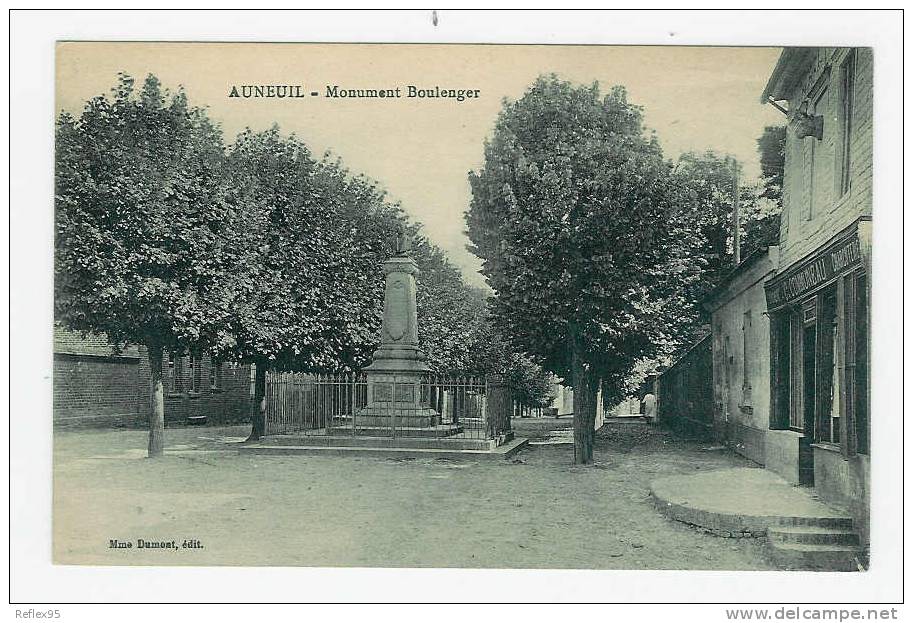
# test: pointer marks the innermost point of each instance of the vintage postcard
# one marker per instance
(380, 305)
(441, 306)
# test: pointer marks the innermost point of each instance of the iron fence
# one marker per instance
(384, 406)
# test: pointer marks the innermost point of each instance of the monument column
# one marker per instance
(399, 350)
(394, 377)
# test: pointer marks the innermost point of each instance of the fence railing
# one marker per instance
(353, 404)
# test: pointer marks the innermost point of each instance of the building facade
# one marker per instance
(818, 301)
(741, 357)
(684, 392)
(100, 384)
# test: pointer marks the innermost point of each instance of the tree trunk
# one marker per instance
(258, 420)
(584, 407)
(157, 406)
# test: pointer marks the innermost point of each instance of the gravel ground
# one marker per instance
(537, 510)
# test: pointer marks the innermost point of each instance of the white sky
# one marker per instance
(421, 150)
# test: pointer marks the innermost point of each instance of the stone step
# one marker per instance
(364, 441)
(805, 557)
(835, 522)
(812, 535)
(381, 421)
(503, 451)
(442, 430)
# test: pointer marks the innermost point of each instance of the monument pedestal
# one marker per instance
(396, 399)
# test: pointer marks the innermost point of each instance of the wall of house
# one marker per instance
(685, 392)
(741, 359)
(95, 390)
(810, 179)
(99, 384)
(815, 211)
(782, 449)
(227, 403)
(844, 481)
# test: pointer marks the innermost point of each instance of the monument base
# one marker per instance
(396, 398)
(379, 415)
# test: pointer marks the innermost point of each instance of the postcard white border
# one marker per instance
(32, 113)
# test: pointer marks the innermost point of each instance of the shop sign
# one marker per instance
(807, 277)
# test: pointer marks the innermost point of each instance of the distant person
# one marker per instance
(649, 408)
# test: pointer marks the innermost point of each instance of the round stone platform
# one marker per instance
(742, 502)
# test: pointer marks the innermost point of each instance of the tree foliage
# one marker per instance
(573, 216)
(772, 149)
(144, 223)
(259, 252)
(705, 230)
(322, 235)
(764, 229)
(143, 219)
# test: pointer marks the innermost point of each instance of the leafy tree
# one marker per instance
(533, 387)
(315, 303)
(705, 235)
(772, 149)
(706, 180)
(450, 313)
(143, 217)
(322, 239)
(572, 216)
(764, 228)
(322, 236)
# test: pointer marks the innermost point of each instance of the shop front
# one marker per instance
(819, 330)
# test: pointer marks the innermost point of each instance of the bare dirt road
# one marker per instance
(537, 510)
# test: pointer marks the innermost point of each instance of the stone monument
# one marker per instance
(394, 378)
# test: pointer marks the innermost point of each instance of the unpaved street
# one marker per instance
(537, 510)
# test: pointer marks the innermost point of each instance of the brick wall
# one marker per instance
(685, 392)
(226, 404)
(813, 210)
(93, 387)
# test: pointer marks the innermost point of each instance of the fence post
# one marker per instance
(352, 398)
(258, 418)
(498, 405)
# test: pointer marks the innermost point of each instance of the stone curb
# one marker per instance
(504, 451)
(720, 524)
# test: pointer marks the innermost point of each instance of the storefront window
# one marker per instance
(820, 349)
(809, 374)
(797, 385)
